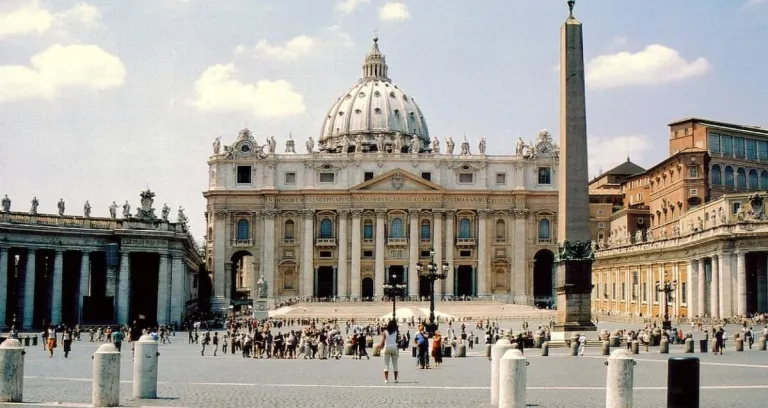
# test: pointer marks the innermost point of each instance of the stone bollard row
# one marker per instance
(497, 351)
(12, 375)
(664, 346)
(635, 347)
(106, 377)
(376, 350)
(761, 343)
(488, 351)
(620, 379)
(739, 343)
(689, 345)
(545, 349)
(683, 374)
(512, 379)
(606, 348)
(145, 368)
(461, 350)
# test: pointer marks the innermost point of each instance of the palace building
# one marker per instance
(369, 202)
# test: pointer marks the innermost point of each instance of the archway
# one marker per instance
(145, 268)
(242, 276)
(367, 289)
(324, 286)
(543, 263)
(396, 275)
(424, 287)
(464, 280)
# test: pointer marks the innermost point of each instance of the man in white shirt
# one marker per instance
(582, 344)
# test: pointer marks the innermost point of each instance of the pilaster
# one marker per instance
(308, 249)
(413, 252)
(380, 245)
(482, 252)
(520, 268)
(29, 289)
(356, 280)
(124, 289)
(268, 259)
(220, 273)
(437, 225)
(450, 236)
(342, 288)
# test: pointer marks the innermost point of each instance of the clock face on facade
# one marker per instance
(245, 148)
(544, 149)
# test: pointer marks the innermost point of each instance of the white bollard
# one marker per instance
(512, 379)
(145, 368)
(106, 376)
(621, 374)
(497, 351)
(12, 375)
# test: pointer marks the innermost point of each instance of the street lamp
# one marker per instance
(432, 273)
(393, 290)
(666, 288)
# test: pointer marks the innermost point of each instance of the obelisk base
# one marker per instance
(574, 296)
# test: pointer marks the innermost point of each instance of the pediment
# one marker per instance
(397, 180)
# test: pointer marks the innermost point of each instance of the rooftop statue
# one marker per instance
(272, 144)
(216, 145)
(449, 145)
(435, 145)
(35, 203)
(6, 204)
(519, 146)
(465, 146)
(126, 210)
(481, 147)
(87, 209)
(310, 144)
(61, 206)
(113, 210)
(290, 146)
(166, 211)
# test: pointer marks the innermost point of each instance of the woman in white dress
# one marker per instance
(388, 346)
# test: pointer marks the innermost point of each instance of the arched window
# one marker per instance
(242, 230)
(717, 175)
(544, 230)
(729, 176)
(397, 228)
(289, 229)
(764, 180)
(500, 229)
(753, 183)
(741, 178)
(368, 229)
(426, 231)
(465, 228)
(210, 233)
(326, 228)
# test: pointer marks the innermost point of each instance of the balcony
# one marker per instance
(368, 241)
(425, 240)
(289, 241)
(466, 242)
(397, 241)
(325, 242)
(501, 240)
(242, 243)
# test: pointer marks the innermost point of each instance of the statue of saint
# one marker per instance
(380, 143)
(113, 210)
(87, 209)
(262, 288)
(61, 206)
(272, 144)
(35, 203)
(397, 147)
(290, 146)
(6, 204)
(435, 145)
(465, 146)
(216, 145)
(519, 146)
(358, 144)
(166, 211)
(344, 144)
(310, 145)
(638, 236)
(449, 145)
(181, 217)
(481, 147)
(721, 214)
(415, 144)
(126, 210)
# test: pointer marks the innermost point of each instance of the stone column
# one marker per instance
(178, 286)
(450, 236)
(163, 296)
(520, 267)
(437, 239)
(726, 274)
(342, 288)
(29, 290)
(413, 252)
(4, 289)
(220, 273)
(693, 288)
(714, 289)
(378, 280)
(268, 261)
(355, 282)
(308, 251)
(482, 252)
(741, 284)
(57, 281)
(124, 288)
(85, 282)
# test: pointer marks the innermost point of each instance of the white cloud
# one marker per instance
(606, 153)
(59, 67)
(394, 11)
(217, 90)
(348, 6)
(752, 3)
(292, 49)
(34, 19)
(618, 41)
(656, 64)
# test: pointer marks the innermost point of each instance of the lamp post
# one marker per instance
(666, 288)
(432, 272)
(393, 290)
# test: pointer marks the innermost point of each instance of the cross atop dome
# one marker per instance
(375, 65)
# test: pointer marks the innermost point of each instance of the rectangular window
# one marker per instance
(645, 292)
(613, 291)
(623, 291)
(640, 221)
(326, 254)
(424, 254)
(727, 145)
(367, 175)
(762, 150)
(605, 290)
(466, 178)
(693, 172)
(426, 175)
(693, 192)
(327, 177)
(501, 178)
(243, 174)
(751, 146)
(545, 175)
(634, 285)
(368, 231)
(599, 212)
(600, 225)
(683, 294)
(368, 254)
(290, 177)
(194, 282)
(736, 207)
(738, 146)
(465, 253)
(714, 143)
(655, 295)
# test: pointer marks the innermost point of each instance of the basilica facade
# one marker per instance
(373, 201)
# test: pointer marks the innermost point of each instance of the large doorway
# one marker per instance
(464, 281)
(543, 263)
(324, 287)
(242, 276)
(144, 285)
(424, 289)
(367, 289)
(396, 275)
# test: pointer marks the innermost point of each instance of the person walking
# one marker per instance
(117, 339)
(582, 344)
(66, 340)
(422, 343)
(389, 345)
(51, 334)
(437, 348)
(215, 343)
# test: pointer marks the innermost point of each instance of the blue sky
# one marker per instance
(100, 98)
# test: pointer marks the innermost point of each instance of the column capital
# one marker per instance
(344, 212)
(484, 212)
(380, 212)
(450, 213)
(438, 212)
(356, 212)
(307, 213)
(414, 212)
(269, 213)
(520, 213)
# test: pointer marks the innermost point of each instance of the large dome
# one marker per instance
(373, 107)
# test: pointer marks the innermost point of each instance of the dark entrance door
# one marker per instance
(424, 290)
(464, 281)
(543, 262)
(396, 275)
(325, 282)
(144, 285)
(367, 291)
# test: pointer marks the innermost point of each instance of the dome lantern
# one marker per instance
(375, 65)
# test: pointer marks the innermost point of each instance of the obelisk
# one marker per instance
(573, 283)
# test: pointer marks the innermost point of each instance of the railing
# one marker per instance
(325, 242)
(501, 240)
(368, 241)
(545, 240)
(242, 242)
(466, 241)
(397, 241)
(425, 240)
(289, 241)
